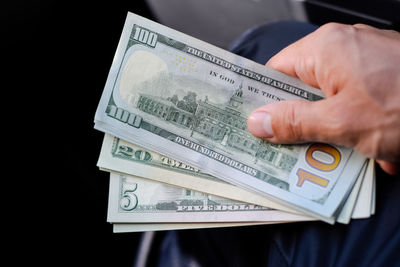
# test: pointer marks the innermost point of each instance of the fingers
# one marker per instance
(297, 61)
(299, 121)
(336, 58)
(321, 59)
(388, 167)
(296, 121)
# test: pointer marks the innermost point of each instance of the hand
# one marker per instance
(358, 69)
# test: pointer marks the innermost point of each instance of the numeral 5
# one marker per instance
(129, 200)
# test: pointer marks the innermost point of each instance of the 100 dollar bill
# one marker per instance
(186, 99)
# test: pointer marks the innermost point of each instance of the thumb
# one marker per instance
(295, 121)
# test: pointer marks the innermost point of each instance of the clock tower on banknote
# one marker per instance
(236, 99)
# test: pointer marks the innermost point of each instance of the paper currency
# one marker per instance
(186, 99)
(145, 227)
(134, 199)
(348, 208)
(365, 203)
(157, 226)
(120, 156)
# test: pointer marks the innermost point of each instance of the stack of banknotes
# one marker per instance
(176, 144)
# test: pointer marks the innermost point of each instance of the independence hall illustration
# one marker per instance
(222, 124)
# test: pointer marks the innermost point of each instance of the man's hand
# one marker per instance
(358, 69)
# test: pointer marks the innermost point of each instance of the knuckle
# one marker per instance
(331, 38)
(337, 33)
(294, 122)
(337, 122)
(361, 25)
(333, 27)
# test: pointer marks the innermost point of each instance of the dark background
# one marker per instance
(56, 56)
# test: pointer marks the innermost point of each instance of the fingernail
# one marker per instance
(259, 124)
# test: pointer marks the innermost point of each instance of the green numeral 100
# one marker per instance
(145, 36)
